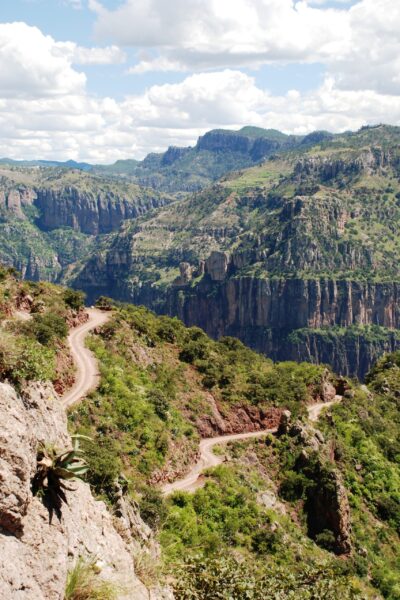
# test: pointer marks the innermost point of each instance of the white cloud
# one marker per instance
(31, 66)
(79, 55)
(47, 112)
(213, 33)
(358, 43)
(80, 127)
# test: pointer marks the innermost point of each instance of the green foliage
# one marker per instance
(75, 299)
(160, 402)
(226, 578)
(84, 583)
(47, 328)
(152, 507)
(104, 464)
(24, 359)
(54, 467)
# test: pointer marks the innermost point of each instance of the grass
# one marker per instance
(85, 583)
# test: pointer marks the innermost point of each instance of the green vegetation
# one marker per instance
(32, 347)
(156, 377)
(85, 583)
(54, 468)
(222, 542)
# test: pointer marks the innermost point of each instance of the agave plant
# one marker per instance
(54, 467)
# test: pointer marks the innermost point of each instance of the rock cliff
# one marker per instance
(36, 552)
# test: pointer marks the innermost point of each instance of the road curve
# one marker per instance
(87, 377)
(208, 459)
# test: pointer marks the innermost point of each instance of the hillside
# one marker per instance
(216, 153)
(311, 512)
(52, 217)
(276, 254)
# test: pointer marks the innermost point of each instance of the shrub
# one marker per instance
(104, 464)
(160, 402)
(194, 350)
(266, 541)
(326, 539)
(48, 327)
(152, 507)
(75, 299)
(24, 359)
(294, 486)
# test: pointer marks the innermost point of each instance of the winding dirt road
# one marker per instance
(87, 377)
(194, 480)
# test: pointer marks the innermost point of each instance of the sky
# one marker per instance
(103, 80)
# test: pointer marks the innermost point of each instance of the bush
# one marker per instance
(326, 539)
(266, 541)
(24, 359)
(152, 508)
(160, 402)
(104, 464)
(389, 510)
(48, 327)
(75, 299)
(294, 487)
(194, 350)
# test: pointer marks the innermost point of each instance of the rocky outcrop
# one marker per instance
(216, 265)
(327, 506)
(15, 200)
(36, 552)
(328, 509)
(91, 212)
(186, 274)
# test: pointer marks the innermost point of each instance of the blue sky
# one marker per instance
(100, 80)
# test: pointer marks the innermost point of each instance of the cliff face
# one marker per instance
(36, 552)
(248, 302)
(90, 212)
(264, 312)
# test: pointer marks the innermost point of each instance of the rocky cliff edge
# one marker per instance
(36, 554)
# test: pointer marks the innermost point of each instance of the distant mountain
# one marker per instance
(216, 153)
(298, 256)
(69, 164)
(190, 169)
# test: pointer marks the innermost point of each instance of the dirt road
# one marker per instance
(208, 459)
(88, 377)
(87, 370)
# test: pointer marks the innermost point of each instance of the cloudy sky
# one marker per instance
(100, 80)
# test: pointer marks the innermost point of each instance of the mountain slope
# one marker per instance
(311, 512)
(50, 217)
(276, 254)
(216, 153)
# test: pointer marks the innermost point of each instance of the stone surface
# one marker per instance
(36, 554)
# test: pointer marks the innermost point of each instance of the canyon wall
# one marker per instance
(89, 211)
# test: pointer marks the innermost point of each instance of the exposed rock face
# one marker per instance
(216, 265)
(328, 509)
(35, 555)
(90, 212)
(264, 312)
(15, 200)
(327, 504)
(185, 274)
